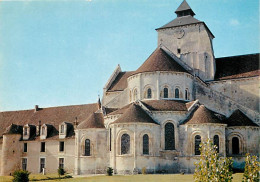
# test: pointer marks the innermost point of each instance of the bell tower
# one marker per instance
(190, 40)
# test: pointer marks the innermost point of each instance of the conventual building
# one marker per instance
(154, 117)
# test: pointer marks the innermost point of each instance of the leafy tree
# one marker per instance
(21, 176)
(211, 167)
(252, 168)
(109, 171)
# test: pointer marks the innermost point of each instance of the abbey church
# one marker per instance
(153, 117)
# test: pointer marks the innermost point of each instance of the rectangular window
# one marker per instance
(62, 129)
(42, 146)
(25, 131)
(61, 146)
(25, 147)
(110, 139)
(179, 51)
(42, 164)
(61, 163)
(24, 164)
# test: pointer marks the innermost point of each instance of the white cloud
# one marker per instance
(234, 22)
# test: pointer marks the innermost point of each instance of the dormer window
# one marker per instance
(64, 129)
(45, 130)
(28, 130)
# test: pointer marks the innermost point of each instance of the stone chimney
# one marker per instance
(75, 123)
(36, 108)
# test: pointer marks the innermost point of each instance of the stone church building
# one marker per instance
(153, 117)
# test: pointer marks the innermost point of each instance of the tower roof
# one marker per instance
(184, 9)
(159, 60)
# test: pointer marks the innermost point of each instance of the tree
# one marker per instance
(109, 171)
(211, 167)
(21, 176)
(252, 167)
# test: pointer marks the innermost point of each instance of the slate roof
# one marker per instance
(14, 129)
(237, 67)
(237, 118)
(166, 105)
(183, 7)
(95, 120)
(52, 116)
(202, 115)
(120, 82)
(134, 114)
(159, 60)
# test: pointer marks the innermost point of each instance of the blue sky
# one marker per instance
(62, 52)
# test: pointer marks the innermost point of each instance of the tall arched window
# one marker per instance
(146, 144)
(165, 93)
(87, 147)
(149, 93)
(177, 93)
(169, 137)
(197, 144)
(186, 94)
(235, 145)
(130, 96)
(125, 144)
(216, 142)
(135, 94)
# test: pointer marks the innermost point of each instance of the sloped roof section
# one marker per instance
(181, 21)
(120, 82)
(14, 129)
(165, 105)
(134, 114)
(238, 118)
(53, 116)
(96, 120)
(202, 115)
(120, 111)
(184, 7)
(237, 67)
(159, 60)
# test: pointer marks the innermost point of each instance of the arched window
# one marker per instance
(165, 93)
(62, 129)
(235, 145)
(130, 96)
(216, 142)
(146, 144)
(197, 144)
(186, 94)
(177, 93)
(149, 93)
(125, 144)
(87, 147)
(43, 130)
(26, 131)
(169, 137)
(135, 94)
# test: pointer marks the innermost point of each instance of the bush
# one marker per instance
(212, 168)
(21, 176)
(252, 168)
(110, 171)
(144, 170)
(61, 171)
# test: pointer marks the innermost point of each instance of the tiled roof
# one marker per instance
(237, 118)
(159, 60)
(95, 120)
(180, 21)
(237, 67)
(120, 82)
(202, 115)
(165, 105)
(52, 116)
(120, 111)
(134, 114)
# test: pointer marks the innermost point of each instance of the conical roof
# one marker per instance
(95, 120)
(134, 114)
(159, 60)
(184, 7)
(238, 118)
(203, 116)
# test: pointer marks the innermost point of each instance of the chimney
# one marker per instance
(38, 132)
(36, 108)
(99, 102)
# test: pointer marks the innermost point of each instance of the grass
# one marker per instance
(130, 178)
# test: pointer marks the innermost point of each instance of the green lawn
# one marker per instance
(131, 178)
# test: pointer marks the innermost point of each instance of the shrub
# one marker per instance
(143, 170)
(109, 171)
(252, 168)
(21, 176)
(61, 171)
(212, 168)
